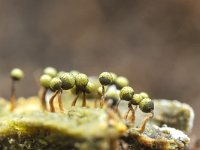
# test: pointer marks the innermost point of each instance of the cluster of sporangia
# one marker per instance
(108, 87)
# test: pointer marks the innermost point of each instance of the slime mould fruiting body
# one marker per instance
(74, 111)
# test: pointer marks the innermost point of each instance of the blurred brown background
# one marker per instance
(156, 44)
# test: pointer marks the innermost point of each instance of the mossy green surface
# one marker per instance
(30, 128)
(74, 129)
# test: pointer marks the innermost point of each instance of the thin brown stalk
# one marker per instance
(52, 109)
(75, 100)
(60, 104)
(13, 96)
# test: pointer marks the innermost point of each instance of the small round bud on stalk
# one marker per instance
(94, 84)
(68, 81)
(60, 73)
(51, 71)
(126, 93)
(137, 98)
(45, 82)
(90, 88)
(56, 86)
(16, 75)
(146, 105)
(74, 72)
(113, 96)
(114, 76)
(121, 82)
(105, 78)
(144, 95)
(81, 81)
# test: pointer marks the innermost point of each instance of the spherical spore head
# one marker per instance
(144, 95)
(121, 82)
(55, 84)
(74, 72)
(126, 93)
(17, 74)
(60, 73)
(137, 98)
(81, 81)
(51, 71)
(114, 76)
(112, 94)
(68, 80)
(105, 78)
(146, 105)
(45, 80)
(95, 80)
(90, 88)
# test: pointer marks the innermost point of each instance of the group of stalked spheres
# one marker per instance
(109, 86)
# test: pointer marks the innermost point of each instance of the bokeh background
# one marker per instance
(156, 44)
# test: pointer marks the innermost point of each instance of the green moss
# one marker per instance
(76, 127)
(28, 127)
